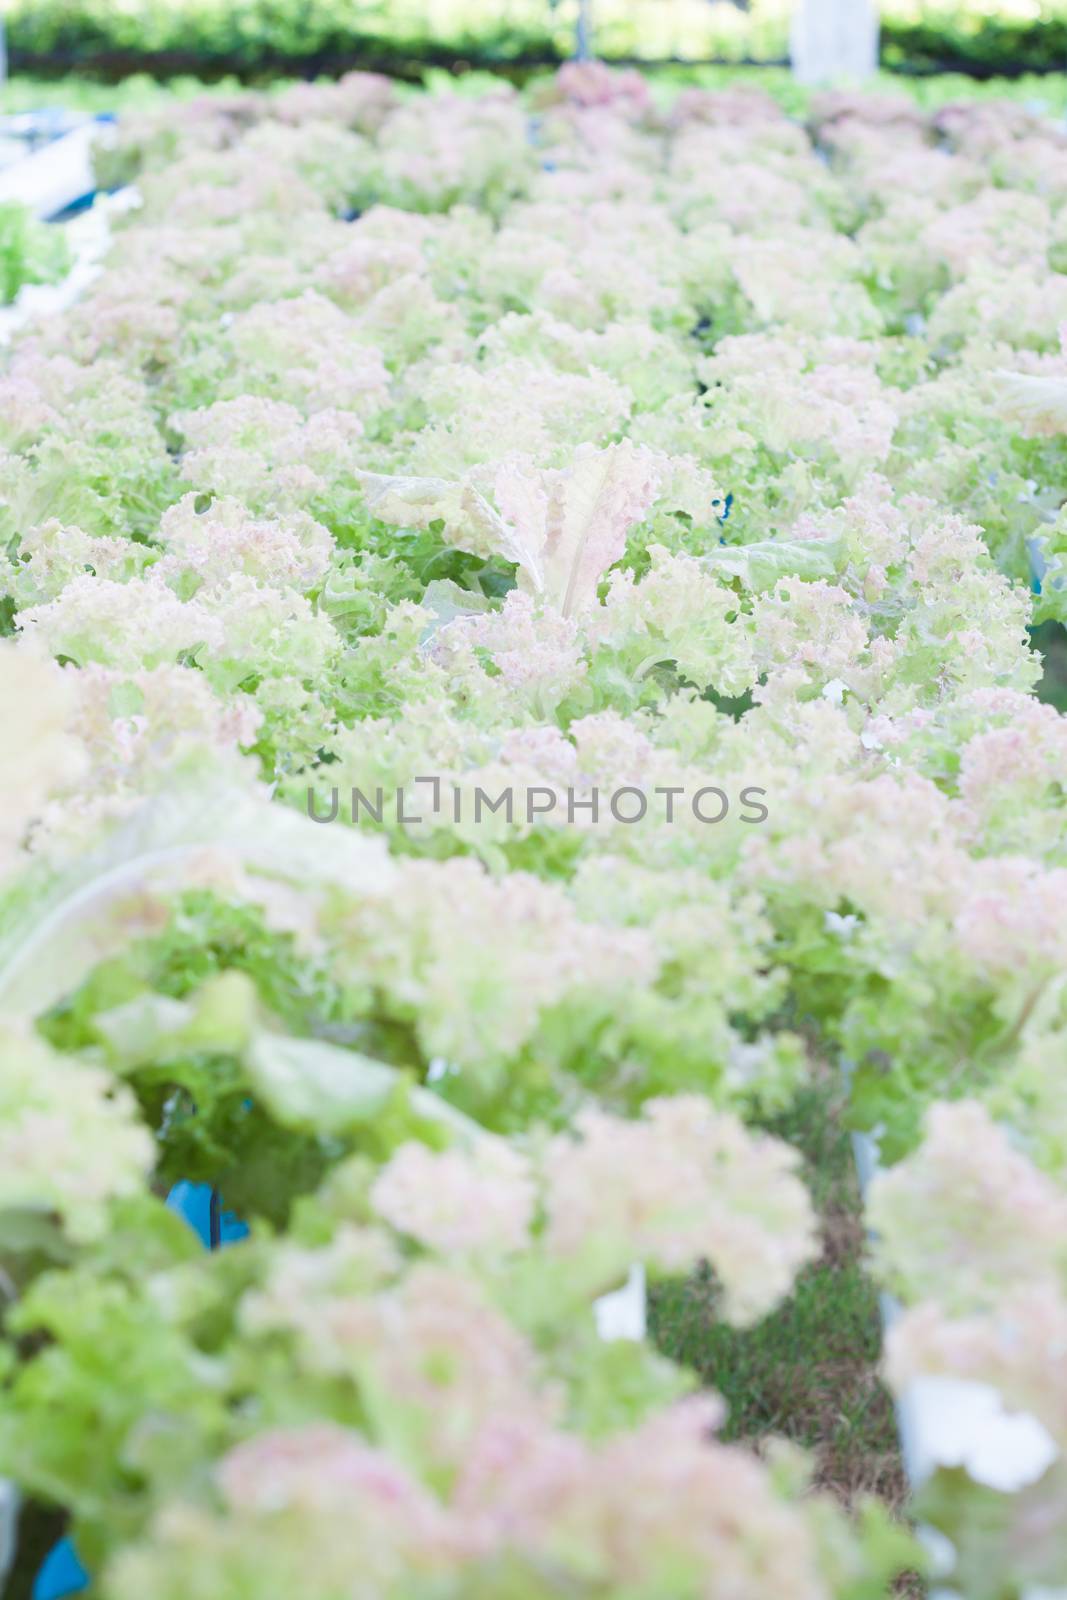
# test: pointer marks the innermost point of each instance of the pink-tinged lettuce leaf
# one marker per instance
(1038, 402)
(409, 502)
(562, 527)
(445, 601)
(570, 524)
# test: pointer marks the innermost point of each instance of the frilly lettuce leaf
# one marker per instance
(1038, 403)
(312, 1085)
(570, 525)
(759, 566)
(55, 927)
(563, 527)
(1047, 551)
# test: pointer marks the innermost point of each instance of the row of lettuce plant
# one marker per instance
(414, 453)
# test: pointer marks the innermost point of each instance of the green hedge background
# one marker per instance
(256, 38)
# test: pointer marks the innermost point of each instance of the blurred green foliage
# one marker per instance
(256, 38)
(30, 252)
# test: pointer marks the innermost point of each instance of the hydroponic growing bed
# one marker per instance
(518, 663)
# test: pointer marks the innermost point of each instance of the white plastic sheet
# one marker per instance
(54, 176)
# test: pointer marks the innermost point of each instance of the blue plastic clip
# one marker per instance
(200, 1206)
(61, 1574)
(1038, 564)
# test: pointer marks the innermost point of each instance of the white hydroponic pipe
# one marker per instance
(833, 39)
(955, 1422)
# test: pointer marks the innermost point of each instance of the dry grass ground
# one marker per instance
(809, 1373)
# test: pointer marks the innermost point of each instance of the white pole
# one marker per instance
(9, 1524)
(834, 39)
(584, 38)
